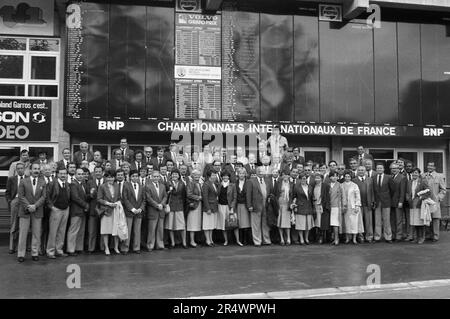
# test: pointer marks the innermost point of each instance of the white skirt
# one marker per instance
(335, 216)
(175, 221)
(304, 222)
(222, 216)
(209, 221)
(194, 219)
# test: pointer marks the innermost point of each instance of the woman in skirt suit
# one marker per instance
(335, 205)
(210, 194)
(321, 200)
(303, 209)
(107, 196)
(241, 208)
(177, 200)
(227, 204)
(415, 185)
(351, 203)
(283, 193)
(194, 202)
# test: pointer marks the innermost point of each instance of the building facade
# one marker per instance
(332, 74)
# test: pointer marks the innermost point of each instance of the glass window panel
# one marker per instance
(103, 149)
(43, 90)
(8, 155)
(437, 158)
(410, 156)
(34, 153)
(11, 66)
(382, 154)
(44, 44)
(13, 43)
(12, 89)
(318, 157)
(43, 68)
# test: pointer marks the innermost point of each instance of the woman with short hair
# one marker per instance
(303, 208)
(194, 203)
(227, 203)
(175, 218)
(351, 204)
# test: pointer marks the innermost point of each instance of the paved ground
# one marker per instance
(228, 270)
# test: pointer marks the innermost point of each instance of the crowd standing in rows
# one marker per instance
(137, 201)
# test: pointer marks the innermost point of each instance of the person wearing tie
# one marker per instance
(296, 157)
(71, 172)
(138, 162)
(46, 173)
(436, 183)
(143, 176)
(12, 198)
(251, 165)
(365, 184)
(58, 202)
(120, 181)
(175, 218)
(126, 152)
(383, 189)
(65, 160)
(148, 155)
(116, 163)
(398, 199)
(414, 186)
(210, 205)
(368, 164)
(79, 207)
(134, 204)
(361, 155)
(156, 198)
(159, 160)
(94, 219)
(32, 193)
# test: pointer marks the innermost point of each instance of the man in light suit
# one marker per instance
(12, 198)
(83, 154)
(368, 164)
(134, 205)
(172, 155)
(79, 207)
(32, 193)
(362, 155)
(258, 189)
(64, 163)
(156, 199)
(436, 183)
(117, 161)
(25, 160)
(382, 187)
(365, 185)
(398, 199)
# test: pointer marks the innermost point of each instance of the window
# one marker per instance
(29, 67)
(318, 155)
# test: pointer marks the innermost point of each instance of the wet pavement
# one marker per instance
(181, 273)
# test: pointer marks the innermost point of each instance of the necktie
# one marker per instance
(98, 183)
(34, 181)
(139, 166)
(143, 181)
(148, 159)
(379, 180)
(21, 177)
(134, 185)
(120, 188)
(260, 180)
(84, 157)
(160, 161)
(63, 185)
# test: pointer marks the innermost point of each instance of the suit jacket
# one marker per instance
(177, 197)
(399, 191)
(232, 171)
(248, 169)
(53, 190)
(78, 199)
(129, 154)
(231, 195)
(383, 194)
(364, 157)
(366, 191)
(134, 166)
(153, 198)
(92, 190)
(436, 183)
(78, 157)
(114, 165)
(130, 201)
(254, 194)
(324, 196)
(304, 202)
(155, 162)
(299, 160)
(12, 188)
(26, 197)
(60, 164)
(104, 195)
(413, 200)
(193, 194)
(210, 197)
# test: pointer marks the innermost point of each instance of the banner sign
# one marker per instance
(25, 120)
(198, 126)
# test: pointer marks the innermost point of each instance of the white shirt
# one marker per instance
(34, 186)
(378, 176)
(305, 189)
(143, 180)
(60, 183)
(136, 189)
(413, 188)
(70, 179)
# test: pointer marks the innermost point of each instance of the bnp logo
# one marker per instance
(22, 14)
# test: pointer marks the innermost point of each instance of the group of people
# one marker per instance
(140, 201)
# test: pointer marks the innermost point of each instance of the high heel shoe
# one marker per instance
(225, 243)
(193, 245)
(240, 244)
(107, 253)
(117, 251)
(306, 242)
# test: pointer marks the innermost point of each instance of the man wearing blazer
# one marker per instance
(12, 198)
(361, 155)
(58, 201)
(436, 182)
(258, 189)
(138, 162)
(83, 154)
(156, 199)
(79, 206)
(117, 161)
(125, 151)
(365, 185)
(398, 199)
(32, 193)
(383, 188)
(64, 163)
(134, 205)
(159, 160)
(94, 219)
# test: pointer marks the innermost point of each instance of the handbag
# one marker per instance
(167, 209)
(231, 222)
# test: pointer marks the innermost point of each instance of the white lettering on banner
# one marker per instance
(110, 125)
(11, 132)
(433, 131)
(14, 117)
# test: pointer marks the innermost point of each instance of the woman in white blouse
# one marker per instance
(351, 204)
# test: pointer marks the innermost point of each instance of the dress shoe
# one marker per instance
(225, 243)
(107, 253)
(307, 242)
(11, 251)
(35, 258)
(185, 246)
(193, 245)
(210, 244)
(434, 240)
(124, 253)
(389, 241)
(61, 255)
(137, 252)
(240, 244)
(21, 259)
(51, 256)
(73, 254)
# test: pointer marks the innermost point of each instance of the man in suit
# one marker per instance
(120, 181)
(230, 167)
(251, 165)
(156, 199)
(353, 163)
(148, 155)
(94, 220)
(12, 198)
(383, 189)
(58, 202)
(46, 173)
(274, 178)
(368, 164)
(436, 183)
(365, 185)
(98, 161)
(64, 163)
(72, 168)
(134, 205)
(297, 158)
(173, 153)
(340, 170)
(79, 206)
(310, 180)
(262, 151)
(125, 151)
(138, 162)
(361, 155)
(83, 154)
(160, 160)
(117, 161)
(258, 189)
(398, 199)
(25, 160)
(32, 193)
(265, 167)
